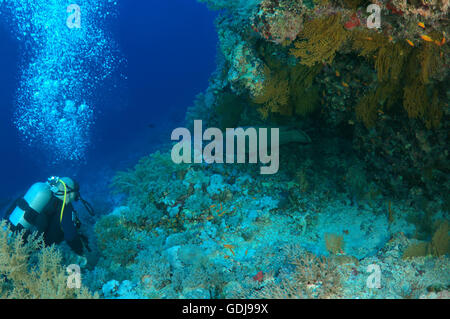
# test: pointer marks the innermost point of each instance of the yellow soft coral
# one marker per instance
(304, 95)
(288, 90)
(434, 113)
(389, 61)
(320, 40)
(372, 104)
(429, 60)
(367, 42)
(366, 110)
(20, 279)
(397, 65)
(415, 100)
(275, 96)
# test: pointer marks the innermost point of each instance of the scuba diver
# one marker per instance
(47, 208)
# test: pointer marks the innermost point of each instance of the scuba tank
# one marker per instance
(32, 204)
(28, 211)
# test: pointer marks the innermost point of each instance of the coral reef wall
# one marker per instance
(386, 87)
(363, 174)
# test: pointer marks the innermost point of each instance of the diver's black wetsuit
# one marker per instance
(54, 230)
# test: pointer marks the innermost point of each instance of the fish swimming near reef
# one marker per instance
(258, 144)
(293, 135)
(426, 38)
(287, 134)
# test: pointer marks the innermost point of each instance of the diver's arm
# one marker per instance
(70, 232)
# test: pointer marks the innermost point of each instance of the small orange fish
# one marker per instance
(443, 41)
(221, 214)
(426, 38)
(410, 42)
(421, 24)
(246, 252)
(230, 247)
(390, 39)
(212, 206)
(344, 84)
(209, 217)
(337, 73)
(368, 38)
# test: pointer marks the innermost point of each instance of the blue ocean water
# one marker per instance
(169, 48)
